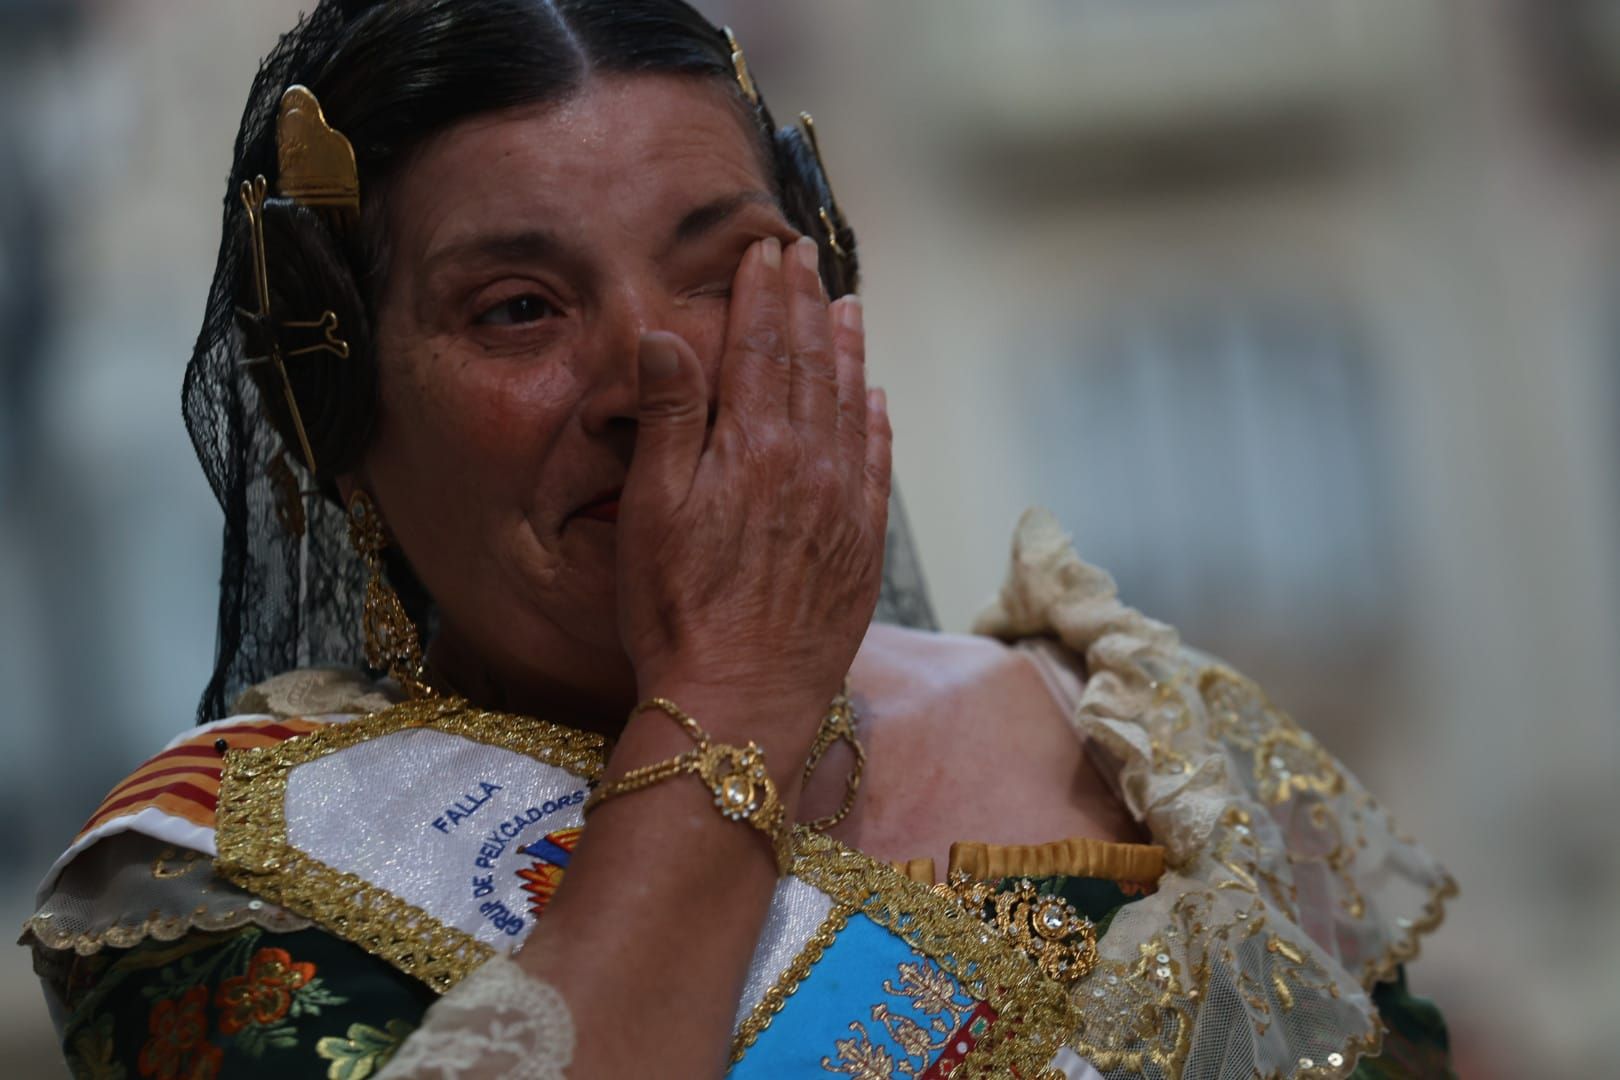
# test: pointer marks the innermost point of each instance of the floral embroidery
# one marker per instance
(178, 1046)
(859, 1059)
(931, 1015)
(264, 994)
(91, 1055)
(362, 1050)
(255, 1007)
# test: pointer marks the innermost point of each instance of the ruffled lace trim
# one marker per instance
(316, 692)
(130, 888)
(40, 931)
(498, 1021)
(1288, 891)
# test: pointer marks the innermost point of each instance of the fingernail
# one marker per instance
(804, 249)
(658, 359)
(850, 316)
(880, 398)
(771, 252)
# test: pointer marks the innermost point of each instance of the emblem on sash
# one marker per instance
(550, 854)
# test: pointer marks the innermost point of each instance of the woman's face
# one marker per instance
(529, 251)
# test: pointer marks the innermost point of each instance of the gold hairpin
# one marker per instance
(327, 324)
(315, 163)
(826, 213)
(315, 168)
(253, 192)
(739, 66)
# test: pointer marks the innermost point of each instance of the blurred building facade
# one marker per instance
(1298, 313)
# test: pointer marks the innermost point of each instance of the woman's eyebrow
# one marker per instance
(529, 245)
(714, 213)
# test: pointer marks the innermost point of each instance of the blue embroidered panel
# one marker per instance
(871, 1006)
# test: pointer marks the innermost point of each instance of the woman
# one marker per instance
(543, 312)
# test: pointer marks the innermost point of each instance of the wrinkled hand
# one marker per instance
(750, 557)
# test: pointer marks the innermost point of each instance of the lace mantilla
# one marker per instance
(1288, 890)
(499, 1021)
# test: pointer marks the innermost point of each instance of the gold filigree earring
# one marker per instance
(392, 642)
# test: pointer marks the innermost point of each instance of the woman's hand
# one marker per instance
(750, 556)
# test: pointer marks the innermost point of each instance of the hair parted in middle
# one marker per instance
(389, 75)
(398, 73)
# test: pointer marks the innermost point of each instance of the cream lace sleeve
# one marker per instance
(1289, 891)
(499, 1021)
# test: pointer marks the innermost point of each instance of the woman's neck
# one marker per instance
(594, 698)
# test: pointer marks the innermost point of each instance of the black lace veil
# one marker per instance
(290, 600)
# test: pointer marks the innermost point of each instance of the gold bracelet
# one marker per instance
(839, 723)
(736, 776)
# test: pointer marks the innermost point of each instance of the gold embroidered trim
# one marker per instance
(1034, 1014)
(1047, 928)
(1075, 857)
(254, 853)
(760, 1017)
(43, 932)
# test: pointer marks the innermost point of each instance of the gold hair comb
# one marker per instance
(316, 164)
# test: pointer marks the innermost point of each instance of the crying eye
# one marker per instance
(519, 309)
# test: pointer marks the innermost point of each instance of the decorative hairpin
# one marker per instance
(739, 66)
(829, 213)
(316, 168)
(315, 164)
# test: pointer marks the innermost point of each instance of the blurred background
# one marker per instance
(1299, 314)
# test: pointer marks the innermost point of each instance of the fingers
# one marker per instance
(879, 458)
(849, 351)
(813, 395)
(754, 367)
(672, 418)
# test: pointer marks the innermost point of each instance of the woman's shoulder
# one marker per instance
(139, 867)
(969, 741)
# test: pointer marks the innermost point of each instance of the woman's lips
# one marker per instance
(605, 507)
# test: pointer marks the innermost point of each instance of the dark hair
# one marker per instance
(390, 74)
(396, 74)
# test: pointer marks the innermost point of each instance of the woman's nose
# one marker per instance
(611, 363)
(611, 400)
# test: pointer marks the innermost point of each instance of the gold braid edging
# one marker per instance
(1034, 1016)
(760, 1017)
(254, 853)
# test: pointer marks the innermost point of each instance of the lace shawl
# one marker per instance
(1288, 891)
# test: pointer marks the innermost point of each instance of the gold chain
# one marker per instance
(735, 775)
(839, 723)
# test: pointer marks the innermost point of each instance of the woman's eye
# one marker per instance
(519, 309)
(718, 290)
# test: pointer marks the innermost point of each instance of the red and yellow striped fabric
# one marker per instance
(184, 779)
